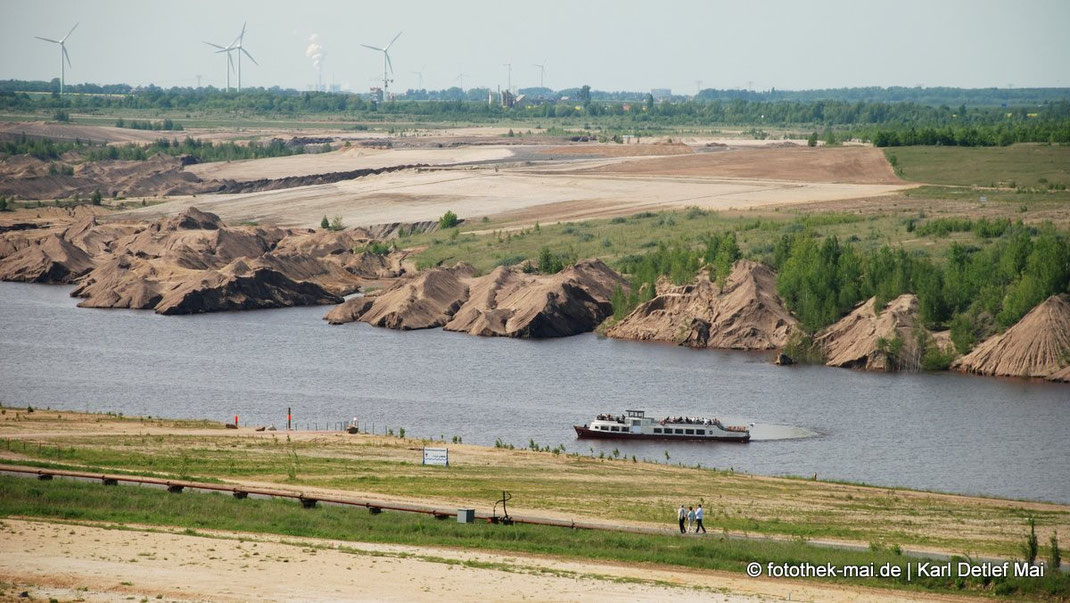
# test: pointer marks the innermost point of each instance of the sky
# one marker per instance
(621, 45)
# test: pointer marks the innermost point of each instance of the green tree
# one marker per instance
(97, 198)
(448, 220)
(1055, 558)
(325, 223)
(812, 140)
(1031, 547)
(3, 203)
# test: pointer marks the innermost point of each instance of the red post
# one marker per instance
(235, 420)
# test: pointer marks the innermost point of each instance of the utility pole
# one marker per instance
(509, 78)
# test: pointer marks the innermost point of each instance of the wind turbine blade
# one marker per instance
(70, 32)
(374, 48)
(249, 55)
(392, 42)
(388, 63)
(226, 50)
(65, 55)
(230, 61)
(47, 39)
(215, 45)
(243, 29)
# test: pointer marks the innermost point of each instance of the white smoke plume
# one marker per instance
(315, 51)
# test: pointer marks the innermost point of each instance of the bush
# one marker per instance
(325, 223)
(552, 263)
(448, 220)
(3, 203)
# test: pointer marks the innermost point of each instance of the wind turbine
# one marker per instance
(62, 55)
(420, 78)
(386, 61)
(509, 80)
(230, 61)
(236, 45)
(460, 78)
(542, 74)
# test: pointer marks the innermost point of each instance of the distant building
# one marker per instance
(508, 99)
(377, 94)
(661, 93)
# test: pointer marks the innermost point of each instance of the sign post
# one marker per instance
(437, 456)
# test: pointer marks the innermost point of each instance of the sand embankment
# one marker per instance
(505, 303)
(745, 313)
(1038, 345)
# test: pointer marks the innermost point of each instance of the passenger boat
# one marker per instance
(635, 425)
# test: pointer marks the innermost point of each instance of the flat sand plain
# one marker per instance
(354, 158)
(562, 190)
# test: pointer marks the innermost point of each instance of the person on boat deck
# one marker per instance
(691, 519)
(682, 516)
(699, 514)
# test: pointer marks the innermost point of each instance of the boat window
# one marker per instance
(690, 432)
(614, 428)
(657, 430)
(680, 431)
(700, 432)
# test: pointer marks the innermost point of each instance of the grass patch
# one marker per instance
(69, 500)
(569, 483)
(1021, 165)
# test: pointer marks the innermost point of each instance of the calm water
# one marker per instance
(942, 431)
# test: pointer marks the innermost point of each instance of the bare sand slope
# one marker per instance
(857, 165)
(513, 194)
(92, 562)
(68, 131)
(342, 161)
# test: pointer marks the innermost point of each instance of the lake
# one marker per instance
(941, 431)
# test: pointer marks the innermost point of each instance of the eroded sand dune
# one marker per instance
(1036, 346)
(505, 303)
(745, 313)
(864, 339)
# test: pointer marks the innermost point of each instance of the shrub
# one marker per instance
(448, 220)
(325, 223)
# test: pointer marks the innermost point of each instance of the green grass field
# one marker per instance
(1034, 166)
(78, 501)
(569, 484)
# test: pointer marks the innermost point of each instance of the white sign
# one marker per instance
(437, 456)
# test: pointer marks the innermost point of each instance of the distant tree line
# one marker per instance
(934, 96)
(203, 150)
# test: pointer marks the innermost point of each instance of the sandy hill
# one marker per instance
(1036, 346)
(746, 313)
(855, 340)
(505, 303)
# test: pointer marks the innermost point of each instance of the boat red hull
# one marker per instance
(583, 432)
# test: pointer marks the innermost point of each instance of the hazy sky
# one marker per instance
(622, 45)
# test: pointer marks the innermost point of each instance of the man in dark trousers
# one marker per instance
(699, 514)
(682, 516)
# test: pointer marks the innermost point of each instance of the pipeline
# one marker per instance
(306, 500)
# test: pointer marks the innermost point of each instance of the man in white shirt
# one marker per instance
(682, 516)
(699, 514)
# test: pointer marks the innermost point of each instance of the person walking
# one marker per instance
(682, 516)
(691, 519)
(698, 520)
